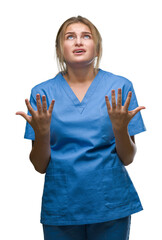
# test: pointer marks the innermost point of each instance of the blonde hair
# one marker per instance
(60, 37)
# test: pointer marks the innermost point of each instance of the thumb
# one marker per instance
(136, 110)
(25, 116)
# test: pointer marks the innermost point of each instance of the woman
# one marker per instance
(82, 125)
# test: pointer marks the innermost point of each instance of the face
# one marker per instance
(78, 45)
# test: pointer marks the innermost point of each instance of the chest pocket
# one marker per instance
(106, 126)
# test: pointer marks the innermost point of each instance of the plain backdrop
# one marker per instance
(132, 47)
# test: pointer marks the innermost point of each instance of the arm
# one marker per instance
(120, 118)
(40, 121)
(40, 153)
(125, 146)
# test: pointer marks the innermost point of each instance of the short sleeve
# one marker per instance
(29, 132)
(136, 125)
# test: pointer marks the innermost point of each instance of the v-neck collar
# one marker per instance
(80, 105)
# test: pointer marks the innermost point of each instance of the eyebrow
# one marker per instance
(74, 32)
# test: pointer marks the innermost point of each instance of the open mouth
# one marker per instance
(79, 51)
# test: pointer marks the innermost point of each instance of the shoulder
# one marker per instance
(115, 79)
(45, 85)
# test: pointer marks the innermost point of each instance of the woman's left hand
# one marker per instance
(119, 115)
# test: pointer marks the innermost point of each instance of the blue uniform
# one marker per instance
(85, 181)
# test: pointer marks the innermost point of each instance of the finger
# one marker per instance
(39, 105)
(138, 109)
(127, 102)
(51, 106)
(29, 107)
(24, 115)
(108, 103)
(44, 104)
(113, 100)
(119, 100)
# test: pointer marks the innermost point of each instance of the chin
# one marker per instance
(79, 62)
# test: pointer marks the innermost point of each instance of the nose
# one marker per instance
(78, 41)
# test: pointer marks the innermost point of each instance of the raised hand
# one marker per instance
(39, 120)
(119, 115)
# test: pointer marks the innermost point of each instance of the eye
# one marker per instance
(70, 37)
(87, 36)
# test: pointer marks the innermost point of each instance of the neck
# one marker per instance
(80, 75)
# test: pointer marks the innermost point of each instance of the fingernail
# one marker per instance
(43, 97)
(119, 90)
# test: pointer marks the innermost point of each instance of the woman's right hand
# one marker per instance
(40, 120)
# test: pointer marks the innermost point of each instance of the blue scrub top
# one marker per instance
(85, 181)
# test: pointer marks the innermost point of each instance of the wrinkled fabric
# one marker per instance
(85, 181)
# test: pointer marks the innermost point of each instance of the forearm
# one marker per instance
(41, 153)
(125, 147)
